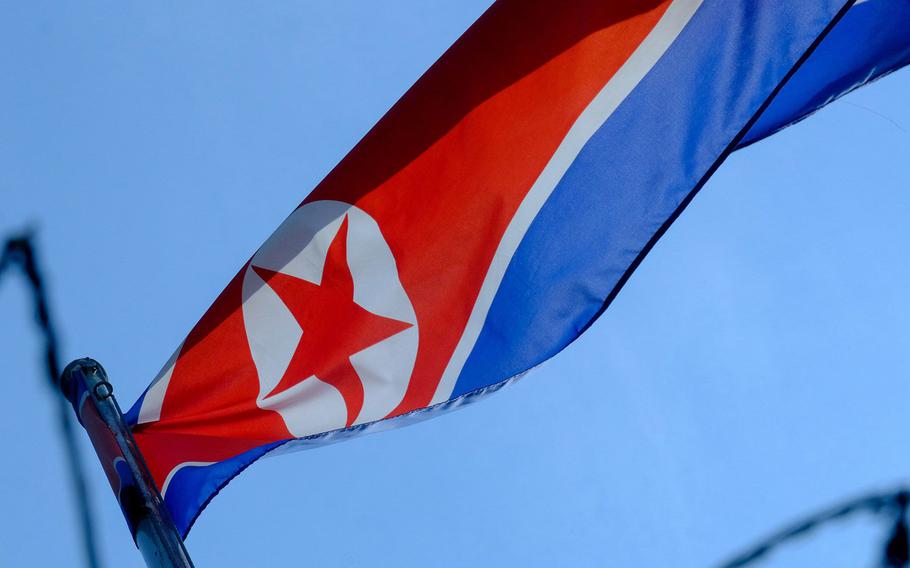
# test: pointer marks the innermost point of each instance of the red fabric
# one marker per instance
(442, 173)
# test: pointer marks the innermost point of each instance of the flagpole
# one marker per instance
(85, 384)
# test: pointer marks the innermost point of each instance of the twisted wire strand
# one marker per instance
(892, 502)
(19, 251)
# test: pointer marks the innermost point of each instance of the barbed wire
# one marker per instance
(19, 251)
(892, 503)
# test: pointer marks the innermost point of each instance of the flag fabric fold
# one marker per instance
(489, 218)
(870, 42)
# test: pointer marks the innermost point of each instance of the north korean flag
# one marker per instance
(488, 218)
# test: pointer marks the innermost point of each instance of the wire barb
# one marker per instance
(897, 549)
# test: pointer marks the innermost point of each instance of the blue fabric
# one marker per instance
(193, 486)
(872, 40)
(131, 416)
(634, 174)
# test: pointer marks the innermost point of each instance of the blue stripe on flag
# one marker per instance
(872, 40)
(634, 175)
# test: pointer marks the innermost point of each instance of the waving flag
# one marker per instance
(489, 218)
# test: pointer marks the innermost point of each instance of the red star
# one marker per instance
(334, 326)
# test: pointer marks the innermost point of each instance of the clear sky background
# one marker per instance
(753, 370)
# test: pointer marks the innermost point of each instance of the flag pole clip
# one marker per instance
(84, 383)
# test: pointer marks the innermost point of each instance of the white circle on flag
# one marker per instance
(299, 249)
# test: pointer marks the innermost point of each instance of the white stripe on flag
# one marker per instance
(604, 104)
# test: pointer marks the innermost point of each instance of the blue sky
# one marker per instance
(753, 369)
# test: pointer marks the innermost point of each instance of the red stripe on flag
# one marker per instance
(445, 170)
(443, 173)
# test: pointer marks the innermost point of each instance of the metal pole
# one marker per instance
(86, 386)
